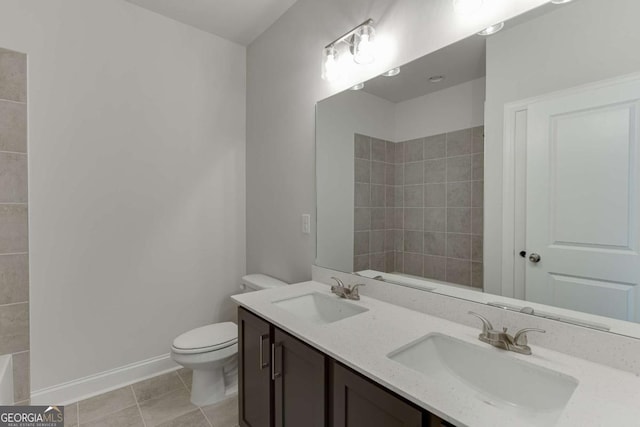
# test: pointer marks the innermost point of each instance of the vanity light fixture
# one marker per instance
(361, 45)
(359, 86)
(392, 72)
(436, 79)
(492, 29)
(465, 7)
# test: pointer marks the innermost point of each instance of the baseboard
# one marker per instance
(93, 385)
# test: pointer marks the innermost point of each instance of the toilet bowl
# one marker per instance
(211, 351)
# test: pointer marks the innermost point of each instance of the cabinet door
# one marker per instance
(254, 377)
(299, 383)
(360, 403)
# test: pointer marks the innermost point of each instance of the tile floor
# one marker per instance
(159, 401)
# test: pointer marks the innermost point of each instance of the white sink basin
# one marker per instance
(493, 376)
(319, 308)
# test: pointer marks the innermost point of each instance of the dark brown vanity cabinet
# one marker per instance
(284, 382)
(281, 380)
(358, 402)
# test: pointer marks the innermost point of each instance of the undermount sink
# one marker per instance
(319, 308)
(491, 376)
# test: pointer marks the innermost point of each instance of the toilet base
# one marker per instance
(208, 387)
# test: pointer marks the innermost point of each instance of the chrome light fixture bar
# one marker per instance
(361, 43)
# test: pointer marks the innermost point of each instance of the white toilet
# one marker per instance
(210, 351)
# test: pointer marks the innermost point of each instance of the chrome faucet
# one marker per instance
(346, 291)
(516, 343)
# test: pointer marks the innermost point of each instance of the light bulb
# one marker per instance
(392, 72)
(465, 7)
(330, 66)
(364, 45)
(492, 29)
(359, 86)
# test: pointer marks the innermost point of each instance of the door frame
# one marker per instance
(514, 182)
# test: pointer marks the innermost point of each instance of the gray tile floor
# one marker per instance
(159, 401)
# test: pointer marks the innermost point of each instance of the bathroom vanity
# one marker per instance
(308, 357)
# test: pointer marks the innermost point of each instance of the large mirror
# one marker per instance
(501, 169)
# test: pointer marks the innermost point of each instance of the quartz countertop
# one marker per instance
(604, 396)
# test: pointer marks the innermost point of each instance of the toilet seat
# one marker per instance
(206, 339)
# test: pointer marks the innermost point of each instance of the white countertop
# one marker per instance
(603, 397)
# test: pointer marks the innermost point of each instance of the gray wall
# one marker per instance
(283, 85)
(14, 257)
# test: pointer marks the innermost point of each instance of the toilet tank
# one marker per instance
(258, 282)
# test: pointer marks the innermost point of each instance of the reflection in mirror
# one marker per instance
(497, 169)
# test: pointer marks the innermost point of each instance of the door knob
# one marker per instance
(534, 258)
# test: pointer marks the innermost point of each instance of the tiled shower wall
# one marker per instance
(14, 259)
(433, 210)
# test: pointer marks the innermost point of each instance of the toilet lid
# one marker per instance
(207, 338)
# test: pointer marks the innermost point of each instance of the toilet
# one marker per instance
(211, 351)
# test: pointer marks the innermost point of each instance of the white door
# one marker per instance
(583, 201)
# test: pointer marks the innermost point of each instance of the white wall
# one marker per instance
(447, 110)
(338, 119)
(136, 181)
(283, 85)
(583, 42)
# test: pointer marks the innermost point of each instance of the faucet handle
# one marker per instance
(339, 282)
(486, 325)
(520, 338)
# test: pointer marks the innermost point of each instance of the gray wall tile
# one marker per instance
(477, 248)
(362, 171)
(13, 76)
(389, 218)
(459, 271)
(361, 243)
(414, 150)
(459, 142)
(413, 241)
(435, 267)
(434, 243)
(435, 195)
(13, 178)
(21, 381)
(390, 152)
(389, 262)
(413, 173)
(377, 261)
(390, 195)
(459, 168)
(389, 174)
(478, 194)
(376, 241)
(399, 152)
(459, 194)
(362, 195)
(378, 150)
(435, 219)
(435, 147)
(413, 196)
(14, 328)
(459, 220)
(477, 221)
(435, 170)
(477, 167)
(14, 278)
(477, 275)
(414, 219)
(378, 218)
(13, 229)
(361, 262)
(389, 240)
(459, 246)
(377, 173)
(377, 195)
(362, 147)
(13, 126)
(412, 264)
(399, 218)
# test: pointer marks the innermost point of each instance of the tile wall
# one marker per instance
(433, 203)
(14, 259)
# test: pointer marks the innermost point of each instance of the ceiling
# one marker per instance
(240, 21)
(458, 63)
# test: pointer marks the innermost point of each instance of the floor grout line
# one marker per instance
(205, 416)
(135, 397)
